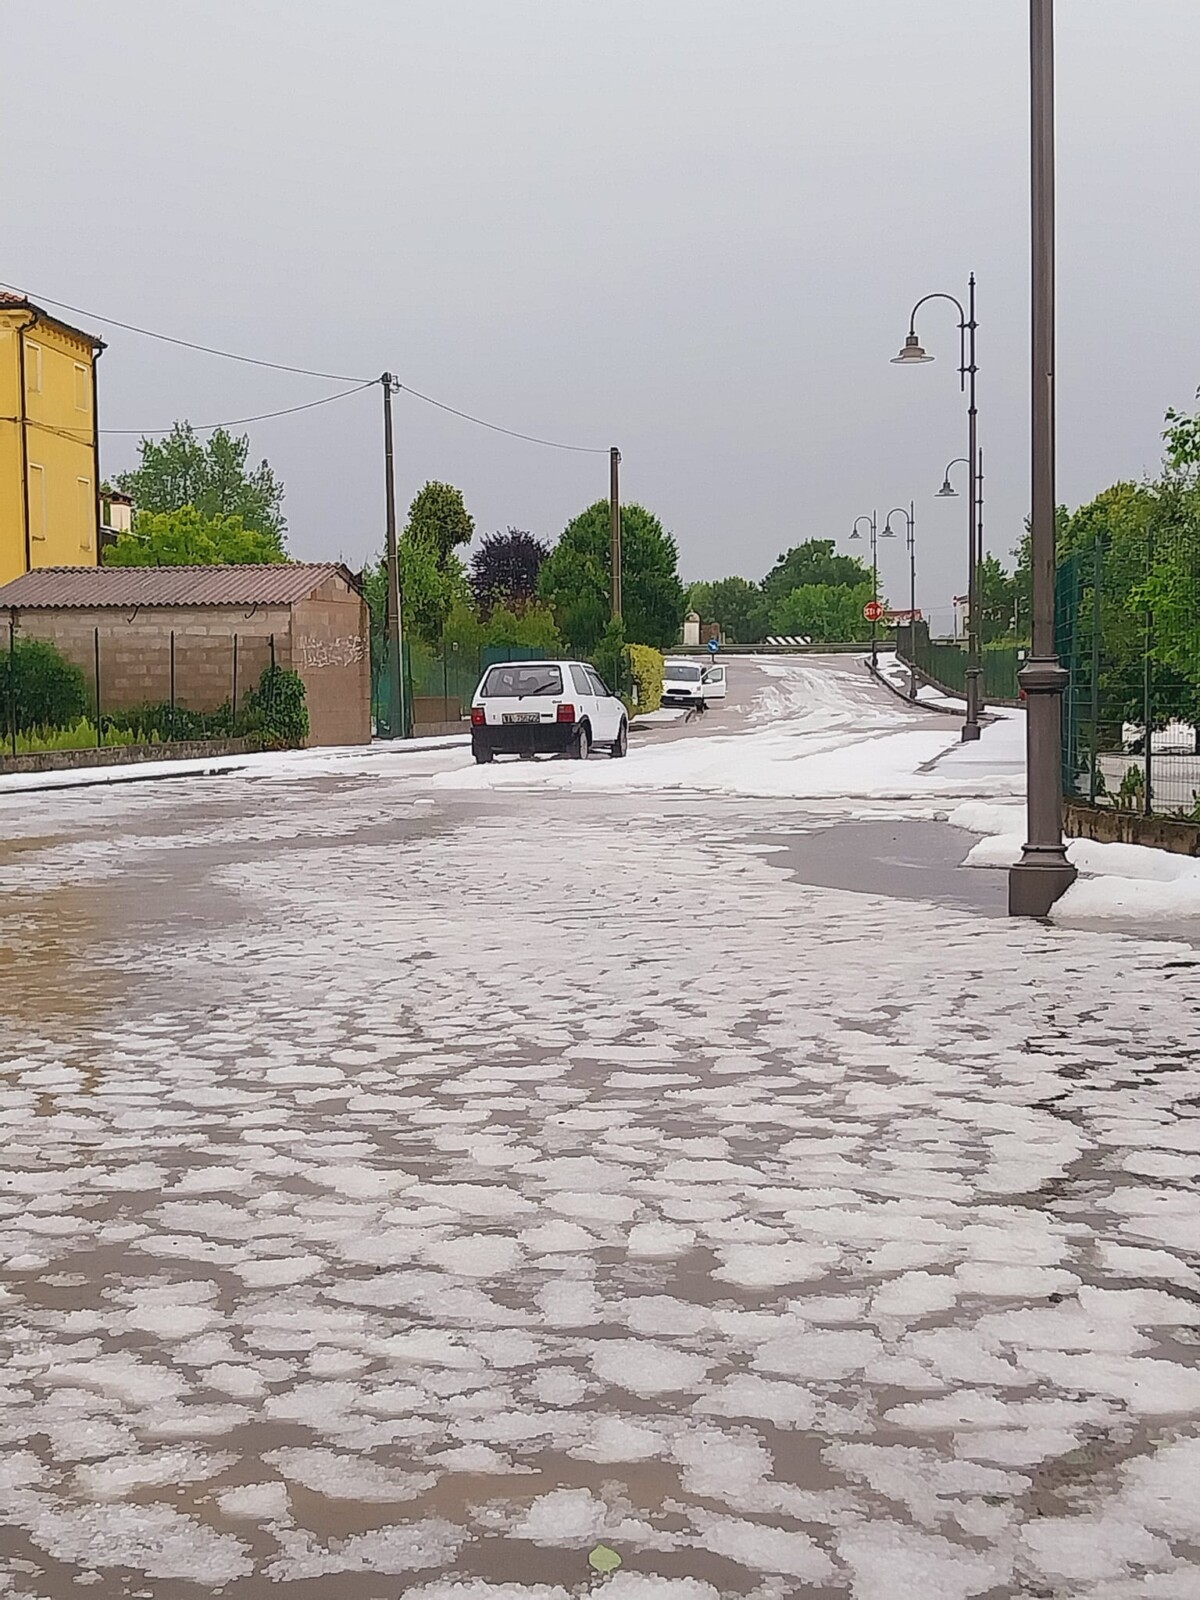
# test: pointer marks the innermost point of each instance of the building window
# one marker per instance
(33, 368)
(83, 388)
(87, 513)
(37, 501)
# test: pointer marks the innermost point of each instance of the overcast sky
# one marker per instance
(691, 228)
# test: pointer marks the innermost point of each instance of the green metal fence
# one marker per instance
(944, 662)
(1127, 617)
(438, 684)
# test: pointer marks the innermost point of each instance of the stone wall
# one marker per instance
(1110, 826)
(125, 755)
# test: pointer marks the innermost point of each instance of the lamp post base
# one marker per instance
(1038, 880)
(970, 732)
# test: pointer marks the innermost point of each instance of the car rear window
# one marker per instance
(512, 681)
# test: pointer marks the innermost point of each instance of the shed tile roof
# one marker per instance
(82, 588)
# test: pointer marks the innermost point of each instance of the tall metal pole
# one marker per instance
(970, 728)
(1043, 872)
(395, 632)
(874, 588)
(912, 596)
(614, 516)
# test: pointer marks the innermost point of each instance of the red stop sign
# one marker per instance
(873, 610)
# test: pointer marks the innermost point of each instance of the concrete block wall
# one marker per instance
(331, 650)
(135, 650)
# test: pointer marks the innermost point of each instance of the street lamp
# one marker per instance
(872, 523)
(910, 520)
(1043, 872)
(913, 354)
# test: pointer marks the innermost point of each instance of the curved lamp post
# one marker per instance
(914, 354)
(873, 524)
(910, 541)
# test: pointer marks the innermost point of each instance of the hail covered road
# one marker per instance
(416, 1177)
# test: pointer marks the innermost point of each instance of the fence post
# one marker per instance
(1148, 682)
(1097, 579)
(172, 683)
(99, 715)
(233, 701)
(12, 678)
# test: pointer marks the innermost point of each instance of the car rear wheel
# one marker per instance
(620, 744)
(581, 744)
(482, 755)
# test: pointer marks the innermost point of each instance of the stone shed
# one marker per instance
(198, 636)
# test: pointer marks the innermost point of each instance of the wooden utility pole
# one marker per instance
(614, 512)
(395, 631)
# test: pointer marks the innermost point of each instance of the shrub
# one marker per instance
(42, 686)
(80, 735)
(646, 666)
(276, 710)
(1133, 787)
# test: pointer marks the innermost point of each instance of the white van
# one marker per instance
(693, 683)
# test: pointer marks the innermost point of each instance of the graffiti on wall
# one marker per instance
(349, 651)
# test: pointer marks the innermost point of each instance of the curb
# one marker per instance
(917, 705)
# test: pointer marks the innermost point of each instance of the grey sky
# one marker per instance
(693, 228)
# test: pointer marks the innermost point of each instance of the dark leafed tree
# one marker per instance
(504, 570)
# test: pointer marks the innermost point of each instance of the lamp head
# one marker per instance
(888, 531)
(913, 353)
(854, 534)
(947, 491)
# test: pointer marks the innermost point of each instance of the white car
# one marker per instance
(692, 683)
(528, 708)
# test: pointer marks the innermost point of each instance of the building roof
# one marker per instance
(88, 588)
(10, 300)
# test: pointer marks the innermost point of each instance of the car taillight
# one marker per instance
(566, 712)
(478, 716)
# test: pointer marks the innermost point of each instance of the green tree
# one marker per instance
(430, 591)
(532, 628)
(439, 519)
(823, 612)
(738, 605)
(188, 538)
(576, 582)
(997, 592)
(213, 476)
(813, 562)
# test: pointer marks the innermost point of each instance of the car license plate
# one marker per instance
(521, 716)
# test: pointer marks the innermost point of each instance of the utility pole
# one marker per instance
(971, 729)
(1043, 872)
(395, 633)
(614, 513)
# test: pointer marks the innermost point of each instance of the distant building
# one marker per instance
(691, 628)
(116, 515)
(197, 637)
(49, 444)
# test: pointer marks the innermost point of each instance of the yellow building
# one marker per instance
(49, 447)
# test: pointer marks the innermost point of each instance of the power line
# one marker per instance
(187, 344)
(305, 372)
(552, 444)
(197, 427)
(238, 422)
